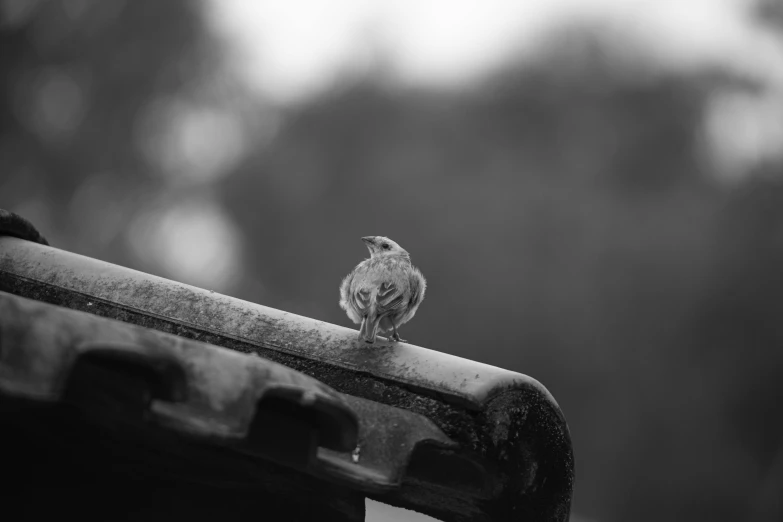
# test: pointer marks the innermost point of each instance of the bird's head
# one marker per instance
(383, 246)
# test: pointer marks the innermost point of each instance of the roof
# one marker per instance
(446, 436)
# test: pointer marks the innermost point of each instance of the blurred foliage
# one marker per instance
(566, 213)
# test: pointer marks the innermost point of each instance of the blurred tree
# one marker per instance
(79, 77)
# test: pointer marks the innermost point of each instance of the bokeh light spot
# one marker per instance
(194, 242)
(51, 102)
(190, 144)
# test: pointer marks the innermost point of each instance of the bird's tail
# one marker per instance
(369, 328)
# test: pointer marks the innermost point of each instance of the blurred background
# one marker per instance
(594, 190)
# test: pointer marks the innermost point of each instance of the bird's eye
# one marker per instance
(385, 246)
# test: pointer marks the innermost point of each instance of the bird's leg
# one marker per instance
(395, 336)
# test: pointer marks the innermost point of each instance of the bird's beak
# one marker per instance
(370, 240)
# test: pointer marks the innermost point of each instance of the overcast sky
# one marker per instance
(290, 49)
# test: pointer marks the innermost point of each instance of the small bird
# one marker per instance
(384, 291)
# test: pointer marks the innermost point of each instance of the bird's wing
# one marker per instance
(361, 299)
(390, 298)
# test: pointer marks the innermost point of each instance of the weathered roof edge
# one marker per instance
(505, 423)
(453, 378)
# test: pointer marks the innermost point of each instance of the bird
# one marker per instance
(384, 291)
